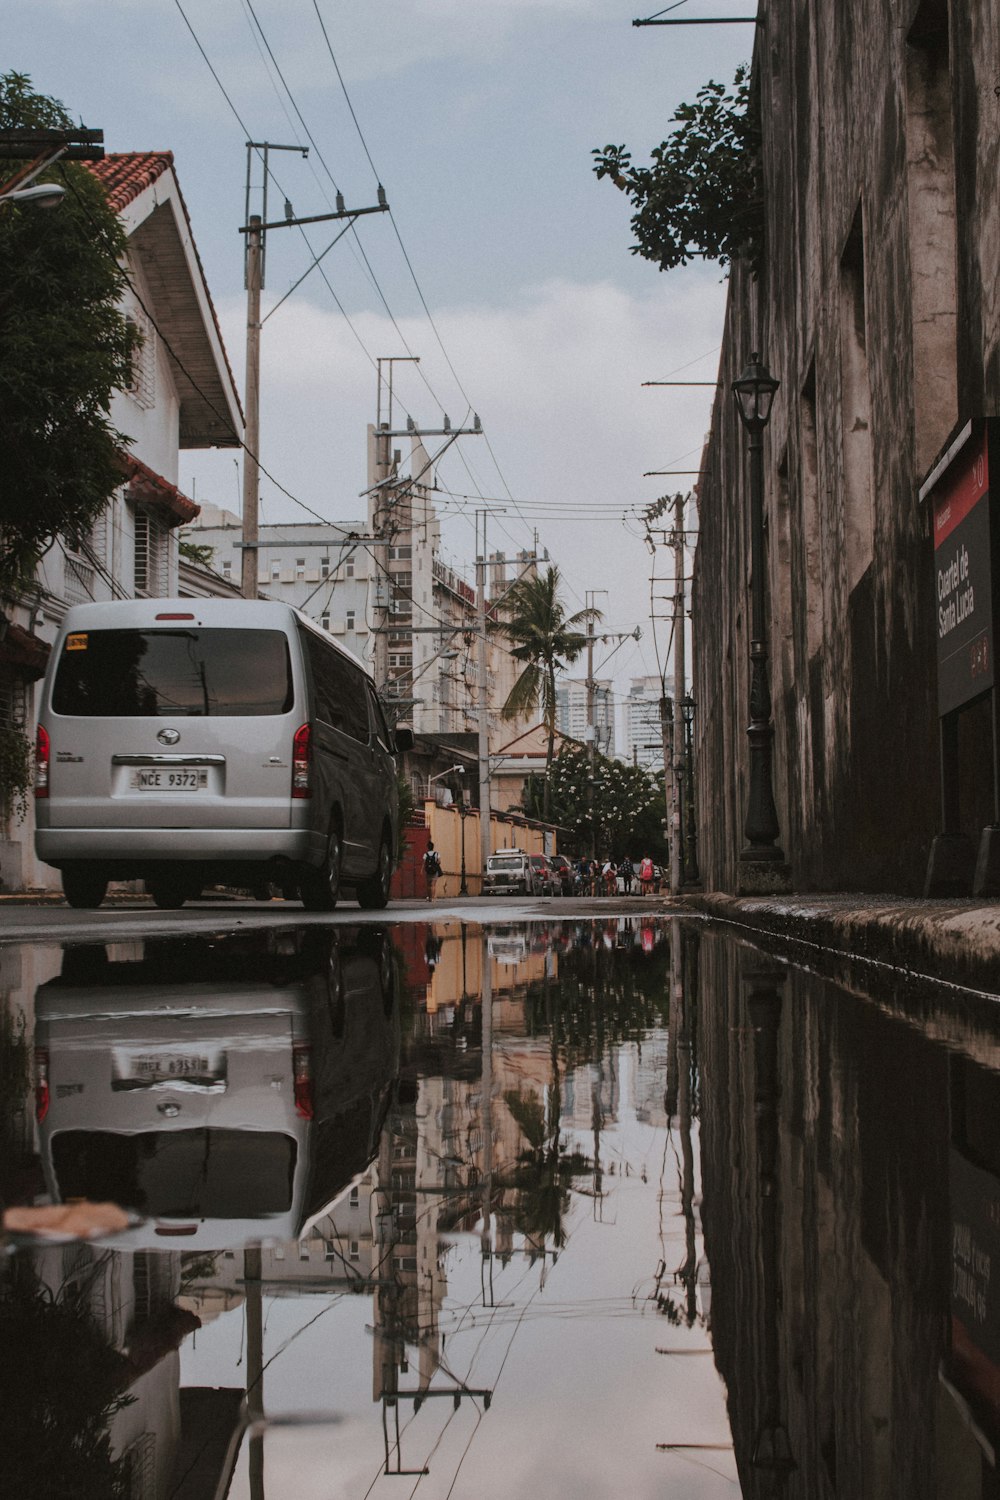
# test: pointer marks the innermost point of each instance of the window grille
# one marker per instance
(13, 706)
(275, 572)
(324, 567)
(300, 567)
(324, 620)
(142, 386)
(78, 580)
(151, 541)
(139, 1466)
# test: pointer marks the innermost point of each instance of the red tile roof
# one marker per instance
(125, 174)
(145, 484)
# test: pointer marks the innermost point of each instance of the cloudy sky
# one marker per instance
(478, 117)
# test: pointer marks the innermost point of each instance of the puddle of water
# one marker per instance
(436, 1206)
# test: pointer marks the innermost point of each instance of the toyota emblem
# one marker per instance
(168, 736)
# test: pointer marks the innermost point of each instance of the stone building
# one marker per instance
(877, 308)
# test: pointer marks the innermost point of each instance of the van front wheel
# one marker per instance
(169, 892)
(374, 894)
(83, 888)
(320, 888)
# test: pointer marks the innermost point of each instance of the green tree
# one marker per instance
(67, 347)
(703, 195)
(546, 640)
(618, 810)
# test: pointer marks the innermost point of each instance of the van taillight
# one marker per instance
(303, 1084)
(301, 761)
(41, 1083)
(42, 762)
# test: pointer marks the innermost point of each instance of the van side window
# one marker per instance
(339, 687)
(380, 730)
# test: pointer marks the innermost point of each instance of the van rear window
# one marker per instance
(506, 862)
(139, 674)
(201, 1173)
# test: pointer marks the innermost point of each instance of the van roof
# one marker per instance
(143, 614)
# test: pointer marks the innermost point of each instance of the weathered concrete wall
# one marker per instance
(878, 309)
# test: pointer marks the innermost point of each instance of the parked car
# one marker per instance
(508, 873)
(564, 874)
(546, 880)
(188, 742)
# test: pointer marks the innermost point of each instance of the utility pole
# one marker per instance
(255, 230)
(485, 793)
(676, 829)
(251, 461)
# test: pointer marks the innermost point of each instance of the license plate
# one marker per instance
(196, 1068)
(179, 779)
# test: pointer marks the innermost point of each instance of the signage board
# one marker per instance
(963, 575)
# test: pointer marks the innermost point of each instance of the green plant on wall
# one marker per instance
(16, 768)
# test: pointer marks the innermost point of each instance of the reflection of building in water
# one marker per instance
(647, 1070)
(133, 1302)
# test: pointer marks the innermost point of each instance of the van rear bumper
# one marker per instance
(137, 846)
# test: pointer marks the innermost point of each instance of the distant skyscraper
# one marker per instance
(643, 738)
(571, 711)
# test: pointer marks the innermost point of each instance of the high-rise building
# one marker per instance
(643, 735)
(571, 712)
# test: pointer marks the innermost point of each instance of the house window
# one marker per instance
(12, 699)
(355, 1197)
(324, 620)
(151, 540)
(324, 567)
(350, 619)
(227, 568)
(142, 384)
(355, 1250)
(275, 572)
(300, 567)
(349, 570)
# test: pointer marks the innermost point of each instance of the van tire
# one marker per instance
(84, 889)
(320, 889)
(169, 892)
(373, 894)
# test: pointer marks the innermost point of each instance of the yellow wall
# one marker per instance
(446, 826)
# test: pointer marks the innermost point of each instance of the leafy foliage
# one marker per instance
(619, 815)
(62, 1384)
(546, 640)
(703, 194)
(196, 552)
(67, 348)
(16, 770)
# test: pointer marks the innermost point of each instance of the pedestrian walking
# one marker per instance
(627, 872)
(432, 869)
(609, 877)
(646, 873)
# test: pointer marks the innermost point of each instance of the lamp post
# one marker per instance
(762, 862)
(691, 875)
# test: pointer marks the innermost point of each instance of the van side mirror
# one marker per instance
(403, 740)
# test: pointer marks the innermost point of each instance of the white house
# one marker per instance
(183, 395)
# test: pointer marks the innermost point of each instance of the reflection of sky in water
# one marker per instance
(580, 1395)
(561, 1325)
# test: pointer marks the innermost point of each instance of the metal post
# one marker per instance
(591, 734)
(484, 736)
(761, 861)
(251, 452)
(676, 831)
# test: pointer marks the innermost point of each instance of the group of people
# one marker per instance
(596, 878)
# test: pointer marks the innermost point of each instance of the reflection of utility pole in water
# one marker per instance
(255, 1369)
(597, 1103)
(486, 1114)
(687, 1274)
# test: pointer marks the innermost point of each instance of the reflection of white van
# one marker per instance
(222, 1110)
(188, 742)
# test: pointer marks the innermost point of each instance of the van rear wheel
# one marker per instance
(169, 892)
(374, 894)
(320, 889)
(85, 889)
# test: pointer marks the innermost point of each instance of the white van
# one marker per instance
(188, 742)
(224, 1090)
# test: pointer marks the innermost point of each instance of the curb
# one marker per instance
(950, 942)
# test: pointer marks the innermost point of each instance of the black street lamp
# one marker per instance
(762, 862)
(690, 861)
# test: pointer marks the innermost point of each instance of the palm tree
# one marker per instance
(546, 641)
